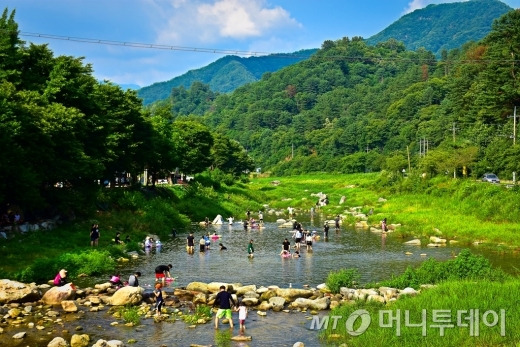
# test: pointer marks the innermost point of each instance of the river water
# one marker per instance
(376, 257)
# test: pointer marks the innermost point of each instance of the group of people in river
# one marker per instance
(204, 242)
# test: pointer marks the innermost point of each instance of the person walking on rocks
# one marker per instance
(224, 300)
(337, 220)
(94, 235)
(242, 315)
(159, 299)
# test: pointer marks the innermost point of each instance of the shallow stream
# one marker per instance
(376, 257)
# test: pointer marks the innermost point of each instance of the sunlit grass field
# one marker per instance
(464, 210)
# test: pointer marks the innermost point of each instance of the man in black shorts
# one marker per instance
(190, 243)
(326, 230)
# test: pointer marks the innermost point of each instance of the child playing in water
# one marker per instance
(159, 299)
(242, 315)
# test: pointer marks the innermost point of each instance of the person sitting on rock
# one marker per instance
(115, 280)
(61, 278)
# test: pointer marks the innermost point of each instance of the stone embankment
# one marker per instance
(40, 307)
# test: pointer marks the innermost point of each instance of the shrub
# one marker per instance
(342, 278)
(90, 262)
(465, 266)
(130, 314)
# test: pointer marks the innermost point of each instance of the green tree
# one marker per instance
(192, 142)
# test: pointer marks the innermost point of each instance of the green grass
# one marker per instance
(483, 295)
(463, 209)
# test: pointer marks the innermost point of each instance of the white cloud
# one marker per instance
(417, 4)
(203, 21)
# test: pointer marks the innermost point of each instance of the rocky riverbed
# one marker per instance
(44, 315)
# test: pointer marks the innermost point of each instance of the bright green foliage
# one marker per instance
(130, 314)
(62, 132)
(224, 75)
(342, 278)
(201, 312)
(482, 295)
(466, 266)
(91, 262)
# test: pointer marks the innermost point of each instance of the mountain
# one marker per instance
(225, 74)
(354, 107)
(444, 26)
(436, 27)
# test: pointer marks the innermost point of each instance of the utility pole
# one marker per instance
(453, 129)
(409, 165)
(514, 126)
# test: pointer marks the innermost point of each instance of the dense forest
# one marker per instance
(435, 28)
(439, 27)
(63, 133)
(354, 108)
(224, 75)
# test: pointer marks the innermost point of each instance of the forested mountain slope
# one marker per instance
(355, 107)
(225, 74)
(444, 26)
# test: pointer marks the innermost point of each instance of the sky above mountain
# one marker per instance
(146, 41)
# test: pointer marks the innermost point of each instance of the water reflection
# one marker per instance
(376, 256)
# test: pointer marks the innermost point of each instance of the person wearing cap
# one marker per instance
(61, 278)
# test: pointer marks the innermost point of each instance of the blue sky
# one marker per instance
(270, 26)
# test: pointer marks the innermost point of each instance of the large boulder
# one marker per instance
(318, 304)
(56, 295)
(277, 303)
(214, 287)
(79, 340)
(268, 295)
(264, 306)
(290, 294)
(244, 289)
(102, 287)
(200, 298)
(12, 291)
(198, 287)
(69, 306)
(127, 296)
(250, 301)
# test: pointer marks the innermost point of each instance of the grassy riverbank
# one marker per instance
(134, 212)
(442, 305)
(462, 209)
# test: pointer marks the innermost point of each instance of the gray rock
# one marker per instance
(20, 335)
(58, 342)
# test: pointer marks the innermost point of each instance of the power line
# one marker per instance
(250, 53)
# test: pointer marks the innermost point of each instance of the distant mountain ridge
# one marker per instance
(225, 74)
(435, 27)
(444, 26)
